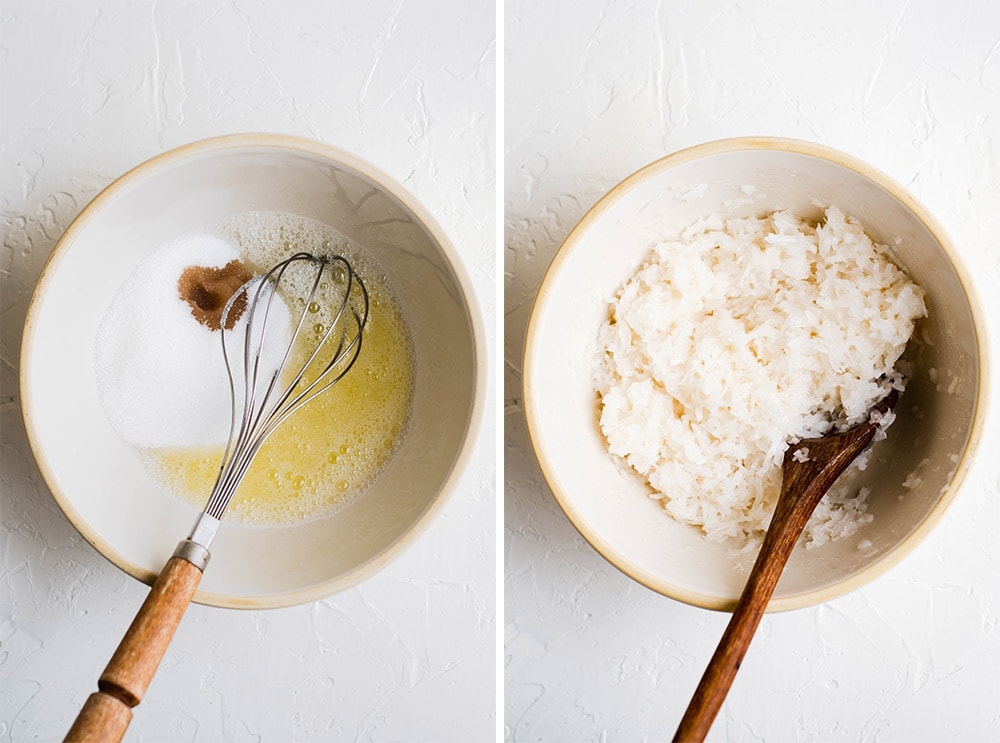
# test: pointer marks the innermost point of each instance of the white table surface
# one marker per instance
(90, 89)
(593, 91)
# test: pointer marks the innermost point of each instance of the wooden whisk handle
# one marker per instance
(106, 714)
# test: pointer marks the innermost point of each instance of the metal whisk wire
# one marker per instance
(264, 410)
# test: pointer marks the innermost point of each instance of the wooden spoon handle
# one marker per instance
(725, 662)
(804, 481)
(802, 488)
(106, 714)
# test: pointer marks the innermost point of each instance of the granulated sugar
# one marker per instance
(160, 372)
(737, 338)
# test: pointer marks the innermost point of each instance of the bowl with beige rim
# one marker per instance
(939, 423)
(101, 483)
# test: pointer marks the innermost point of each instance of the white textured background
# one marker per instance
(595, 90)
(90, 89)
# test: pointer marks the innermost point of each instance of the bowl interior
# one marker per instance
(611, 509)
(100, 481)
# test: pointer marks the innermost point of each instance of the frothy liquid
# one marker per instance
(325, 455)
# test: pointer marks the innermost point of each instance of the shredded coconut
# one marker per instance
(735, 339)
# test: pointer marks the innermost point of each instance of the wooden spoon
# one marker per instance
(802, 487)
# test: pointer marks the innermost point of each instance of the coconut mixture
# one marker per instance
(164, 387)
(737, 338)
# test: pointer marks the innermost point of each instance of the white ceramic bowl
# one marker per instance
(99, 481)
(612, 511)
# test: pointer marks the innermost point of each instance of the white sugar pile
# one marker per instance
(160, 372)
(737, 338)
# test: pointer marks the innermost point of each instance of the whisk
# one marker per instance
(271, 375)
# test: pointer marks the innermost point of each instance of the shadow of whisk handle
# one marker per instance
(106, 714)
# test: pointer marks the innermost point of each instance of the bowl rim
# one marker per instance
(278, 142)
(981, 402)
